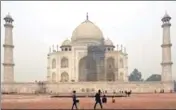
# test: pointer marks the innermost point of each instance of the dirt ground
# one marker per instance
(137, 101)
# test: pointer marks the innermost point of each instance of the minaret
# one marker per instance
(166, 50)
(8, 50)
(125, 65)
(87, 16)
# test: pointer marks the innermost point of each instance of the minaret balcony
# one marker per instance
(166, 45)
(8, 45)
(8, 25)
(8, 64)
(166, 63)
(166, 25)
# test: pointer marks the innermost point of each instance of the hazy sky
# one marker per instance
(136, 25)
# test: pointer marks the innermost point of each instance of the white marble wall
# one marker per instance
(19, 87)
(75, 56)
(58, 70)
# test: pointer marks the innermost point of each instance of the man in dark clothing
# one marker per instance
(74, 100)
(98, 99)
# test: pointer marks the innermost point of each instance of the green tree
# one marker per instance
(154, 77)
(135, 76)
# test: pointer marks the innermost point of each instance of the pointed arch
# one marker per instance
(54, 63)
(121, 76)
(110, 69)
(82, 69)
(64, 77)
(110, 63)
(121, 63)
(64, 62)
(87, 69)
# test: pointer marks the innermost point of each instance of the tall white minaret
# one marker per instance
(8, 50)
(166, 50)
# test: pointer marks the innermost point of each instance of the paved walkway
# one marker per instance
(138, 101)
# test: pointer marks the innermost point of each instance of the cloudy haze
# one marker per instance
(38, 25)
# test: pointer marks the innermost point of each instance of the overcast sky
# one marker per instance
(136, 25)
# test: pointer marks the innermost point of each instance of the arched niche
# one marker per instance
(110, 67)
(121, 63)
(54, 63)
(64, 77)
(64, 62)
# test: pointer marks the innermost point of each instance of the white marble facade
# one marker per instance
(87, 47)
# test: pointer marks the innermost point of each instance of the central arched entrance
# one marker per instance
(87, 69)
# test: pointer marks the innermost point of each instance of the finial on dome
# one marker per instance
(165, 11)
(87, 16)
(166, 17)
(57, 48)
(8, 18)
(49, 49)
(117, 47)
(53, 47)
(124, 49)
(121, 47)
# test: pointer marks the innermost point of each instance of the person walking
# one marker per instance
(75, 101)
(98, 99)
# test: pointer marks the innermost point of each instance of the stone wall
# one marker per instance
(110, 87)
(19, 87)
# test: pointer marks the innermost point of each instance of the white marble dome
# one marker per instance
(108, 42)
(66, 42)
(87, 30)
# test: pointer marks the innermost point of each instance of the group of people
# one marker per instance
(98, 100)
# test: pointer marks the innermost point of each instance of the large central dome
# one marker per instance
(87, 30)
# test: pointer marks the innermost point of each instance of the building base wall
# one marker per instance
(87, 87)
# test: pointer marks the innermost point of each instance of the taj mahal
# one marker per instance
(87, 62)
(87, 57)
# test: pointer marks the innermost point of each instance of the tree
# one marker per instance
(154, 77)
(135, 76)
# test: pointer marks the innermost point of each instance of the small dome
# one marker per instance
(166, 17)
(8, 18)
(87, 30)
(108, 42)
(66, 42)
